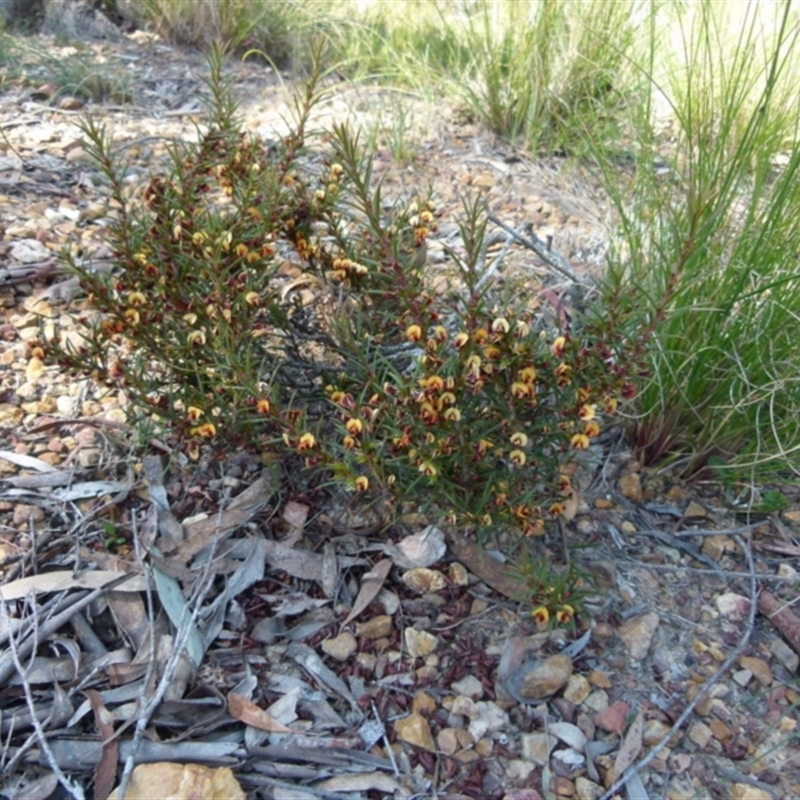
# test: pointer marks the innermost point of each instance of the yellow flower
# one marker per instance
(484, 445)
(362, 483)
(541, 616)
(461, 340)
(580, 441)
(193, 413)
(519, 439)
(564, 484)
(447, 398)
(491, 352)
(562, 369)
(426, 468)
(307, 442)
(132, 315)
(348, 442)
(520, 390)
(206, 430)
(501, 325)
(565, 614)
(558, 346)
(526, 375)
(473, 365)
(354, 426)
(199, 237)
(452, 414)
(252, 298)
(196, 338)
(517, 457)
(557, 509)
(435, 383)
(336, 172)
(610, 404)
(242, 250)
(522, 329)
(440, 333)
(136, 299)
(263, 406)
(591, 429)
(586, 412)
(480, 336)
(413, 333)
(225, 240)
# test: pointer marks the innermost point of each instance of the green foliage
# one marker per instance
(459, 402)
(705, 254)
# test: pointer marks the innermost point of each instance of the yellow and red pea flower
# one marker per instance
(335, 172)
(481, 336)
(252, 298)
(592, 429)
(564, 484)
(521, 390)
(501, 325)
(522, 329)
(484, 445)
(461, 340)
(193, 413)
(348, 442)
(242, 250)
(429, 469)
(434, 383)
(586, 412)
(541, 616)
(518, 457)
(473, 366)
(492, 352)
(565, 614)
(132, 316)
(263, 406)
(196, 338)
(429, 414)
(354, 426)
(580, 441)
(519, 439)
(452, 414)
(557, 509)
(413, 333)
(205, 431)
(583, 394)
(306, 442)
(559, 344)
(136, 299)
(610, 404)
(362, 483)
(527, 375)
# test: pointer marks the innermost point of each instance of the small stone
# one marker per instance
(25, 514)
(518, 770)
(470, 687)
(367, 661)
(419, 643)
(464, 706)
(597, 701)
(89, 457)
(631, 487)
(484, 747)
(578, 689)
(547, 678)
(458, 574)
(182, 782)
(599, 679)
(466, 756)
(700, 734)
(744, 791)
(490, 718)
(426, 674)
(637, 634)
(414, 730)
(720, 730)
(603, 503)
(695, 511)
(785, 654)
(568, 762)
(422, 580)
(29, 251)
(715, 546)
(423, 703)
(340, 647)
(375, 628)
(447, 741)
(732, 605)
(742, 676)
(758, 667)
(587, 790)
(614, 718)
(654, 732)
(536, 747)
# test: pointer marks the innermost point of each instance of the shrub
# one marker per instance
(460, 402)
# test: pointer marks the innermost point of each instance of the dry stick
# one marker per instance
(727, 573)
(74, 790)
(48, 628)
(636, 768)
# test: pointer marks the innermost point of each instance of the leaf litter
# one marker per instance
(154, 616)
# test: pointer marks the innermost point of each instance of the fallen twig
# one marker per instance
(636, 768)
